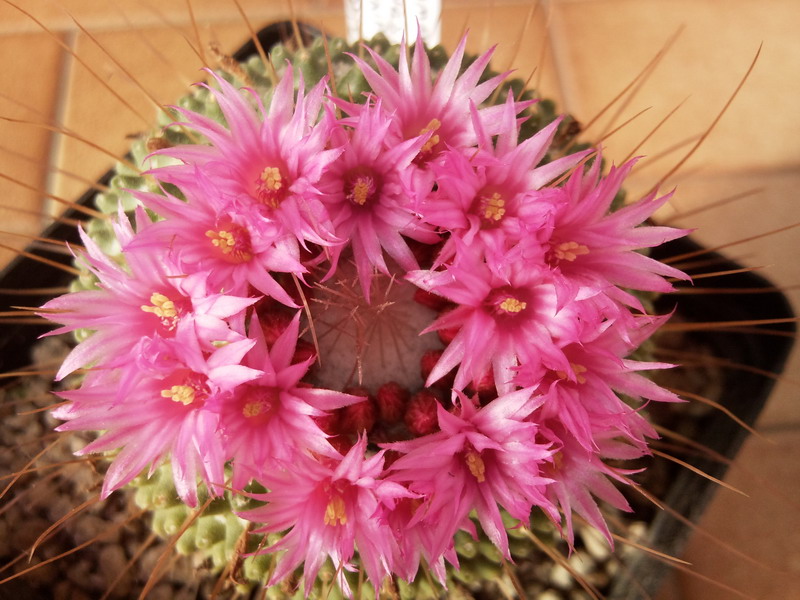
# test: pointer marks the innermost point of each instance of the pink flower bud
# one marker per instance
(421, 416)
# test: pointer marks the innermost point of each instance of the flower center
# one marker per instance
(191, 390)
(260, 403)
(476, 465)
(577, 369)
(491, 209)
(569, 251)
(271, 187)
(163, 308)
(183, 394)
(512, 305)
(335, 513)
(361, 185)
(233, 243)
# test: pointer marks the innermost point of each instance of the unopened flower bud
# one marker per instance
(446, 335)
(421, 417)
(329, 422)
(392, 399)
(360, 416)
(341, 443)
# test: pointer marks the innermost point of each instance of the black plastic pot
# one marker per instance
(745, 394)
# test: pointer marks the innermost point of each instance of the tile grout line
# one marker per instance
(51, 207)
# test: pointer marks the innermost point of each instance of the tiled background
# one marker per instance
(585, 52)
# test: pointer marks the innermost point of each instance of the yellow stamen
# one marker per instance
(434, 139)
(270, 187)
(271, 178)
(361, 191)
(577, 369)
(492, 207)
(476, 465)
(228, 244)
(335, 511)
(512, 305)
(570, 251)
(180, 393)
(223, 240)
(161, 306)
(252, 409)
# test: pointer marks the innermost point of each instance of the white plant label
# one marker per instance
(386, 16)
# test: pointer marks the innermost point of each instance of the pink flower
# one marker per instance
(163, 416)
(502, 321)
(591, 249)
(268, 160)
(331, 508)
(578, 474)
(208, 233)
(150, 297)
(487, 197)
(272, 417)
(421, 106)
(416, 538)
(533, 280)
(369, 195)
(480, 458)
(585, 398)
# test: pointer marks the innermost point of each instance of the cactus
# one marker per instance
(220, 534)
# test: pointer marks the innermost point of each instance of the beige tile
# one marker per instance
(603, 44)
(24, 148)
(122, 14)
(764, 526)
(518, 29)
(161, 61)
(155, 67)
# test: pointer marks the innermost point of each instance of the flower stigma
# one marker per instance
(260, 403)
(191, 390)
(183, 394)
(361, 186)
(428, 149)
(569, 251)
(335, 513)
(431, 127)
(577, 369)
(476, 465)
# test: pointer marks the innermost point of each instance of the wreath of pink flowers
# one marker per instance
(202, 349)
